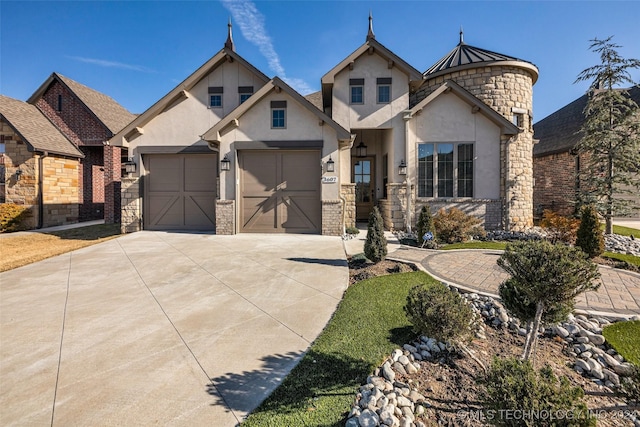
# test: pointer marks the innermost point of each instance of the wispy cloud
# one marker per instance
(111, 64)
(252, 26)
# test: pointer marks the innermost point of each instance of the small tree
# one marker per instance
(456, 226)
(375, 247)
(589, 236)
(514, 387)
(425, 224)
(438, 312)
(547, 276)
(610, 136)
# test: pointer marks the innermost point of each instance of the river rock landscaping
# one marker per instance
(425, 383)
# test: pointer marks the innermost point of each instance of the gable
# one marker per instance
(183, 114)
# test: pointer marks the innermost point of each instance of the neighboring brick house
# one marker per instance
(88, 119)
(556, 163)
(40, 165)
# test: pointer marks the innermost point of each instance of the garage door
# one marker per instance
(180, 192)
(280, 191)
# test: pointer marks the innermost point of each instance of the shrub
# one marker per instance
(352, 230)
(545, 280)
(590, 237)
(455, 226)
(559, 228)
(513, 387)
(425, 224)
(375, 247)
(12, 217)
(440, 313)
(630, 387)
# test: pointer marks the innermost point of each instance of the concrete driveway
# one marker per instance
(157, 328)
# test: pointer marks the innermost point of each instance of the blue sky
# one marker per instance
(137, 51)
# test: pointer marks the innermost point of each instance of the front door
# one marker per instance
(362, 171)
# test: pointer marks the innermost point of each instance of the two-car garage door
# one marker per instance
(280, 191)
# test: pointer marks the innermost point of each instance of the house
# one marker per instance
(40, 165)
(234, 151)
(88, 119)
(556, 164)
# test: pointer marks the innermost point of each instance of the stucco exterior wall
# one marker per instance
(503, 88)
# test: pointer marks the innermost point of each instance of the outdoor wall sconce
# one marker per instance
(402, 168)
(361, 150)
(18, 174)
(225, 164)
(331, 165)
(130, 166)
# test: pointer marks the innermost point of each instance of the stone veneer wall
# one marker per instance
(131, 210)
(489, 211)
(332, 218)
(59, 183)
(503, 87)
(225, 216)
(393, 208)
(348, 193)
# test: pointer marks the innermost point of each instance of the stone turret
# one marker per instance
(505, 84)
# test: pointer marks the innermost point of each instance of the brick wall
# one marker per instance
(332, 217)
(100, 172)
(555, 188)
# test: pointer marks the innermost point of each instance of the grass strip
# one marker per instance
(624, 337)
(24, 248)
(625, 231)
(631, 259)
(367, 325)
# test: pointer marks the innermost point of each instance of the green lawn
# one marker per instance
(625, 231)
(631, 259)
(368, 324)
(624, 337)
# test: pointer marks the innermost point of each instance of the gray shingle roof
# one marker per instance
(315, 98)
(560, 131)
(35, 129)
(113, 115)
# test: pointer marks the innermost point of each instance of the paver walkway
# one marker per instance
(476, 270)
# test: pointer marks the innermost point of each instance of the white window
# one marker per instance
(445, 169)
(356, 89)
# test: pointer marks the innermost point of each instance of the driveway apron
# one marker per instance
(162, 328)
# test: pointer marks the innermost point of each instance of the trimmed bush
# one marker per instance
(559, 228)
(514, 389)
(438, 312)
(590, 237)
(352, 230)
(12, 217)
(425, 224)
(375, 247)
(455, 226)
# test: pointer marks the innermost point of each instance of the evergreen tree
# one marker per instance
(589, 236)
(610, 142)
(547, 277)
(375, 247)
(425, 224)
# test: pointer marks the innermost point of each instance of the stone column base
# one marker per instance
(131, 220)
(332, 217)
(225, 217)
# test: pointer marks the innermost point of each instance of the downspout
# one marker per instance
(408, 217)
(40, 186)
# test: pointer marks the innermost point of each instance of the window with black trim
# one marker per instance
(445, 169)
(384, 90)
(278, 114)
(215, 96)
(356, 89)
(245, 92)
